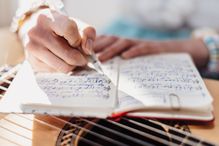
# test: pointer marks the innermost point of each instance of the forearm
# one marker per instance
(195, 47)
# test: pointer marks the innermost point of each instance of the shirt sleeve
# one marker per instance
(210, 38)
(212, 69)
(26, 5)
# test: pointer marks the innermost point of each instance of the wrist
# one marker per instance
(168, 46)
(195, 47)
(199, 52)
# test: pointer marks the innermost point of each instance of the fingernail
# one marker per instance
(89, 46)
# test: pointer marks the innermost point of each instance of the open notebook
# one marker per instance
(158, 86)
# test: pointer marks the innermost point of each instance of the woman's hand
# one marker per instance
(110, 46)
(54, 42)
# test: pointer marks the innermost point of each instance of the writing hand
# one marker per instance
(54, 42)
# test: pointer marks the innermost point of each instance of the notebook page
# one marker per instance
(87, 87)
(168, 81)
(111, 69)
(26, 92)
(85, 90)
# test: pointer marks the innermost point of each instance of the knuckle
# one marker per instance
(74, 42)
(36, 33)
(41, 19)
(71, 33)
(70, 25)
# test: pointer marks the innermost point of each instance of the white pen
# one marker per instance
(95, 62)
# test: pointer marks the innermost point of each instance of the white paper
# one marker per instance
(87, 98)
(168, 81)
(162, 81)
(90, 90)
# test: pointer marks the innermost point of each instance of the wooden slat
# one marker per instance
(15, 138)
(20, 130)
(20, 121)
(6, 142)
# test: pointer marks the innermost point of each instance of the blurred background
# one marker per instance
(95, 12)
(7, 10)
(142, 19)
(118, 16)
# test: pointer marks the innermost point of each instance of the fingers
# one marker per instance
(144, 48)
(57, 45)
(115, 49)
(103, 42)
(138, 50)
(48, 58)
(39, 66)
(59, 41)
(67, 28)
(60, 48)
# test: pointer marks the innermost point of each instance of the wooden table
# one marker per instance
(210, 132)
(12, 53)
